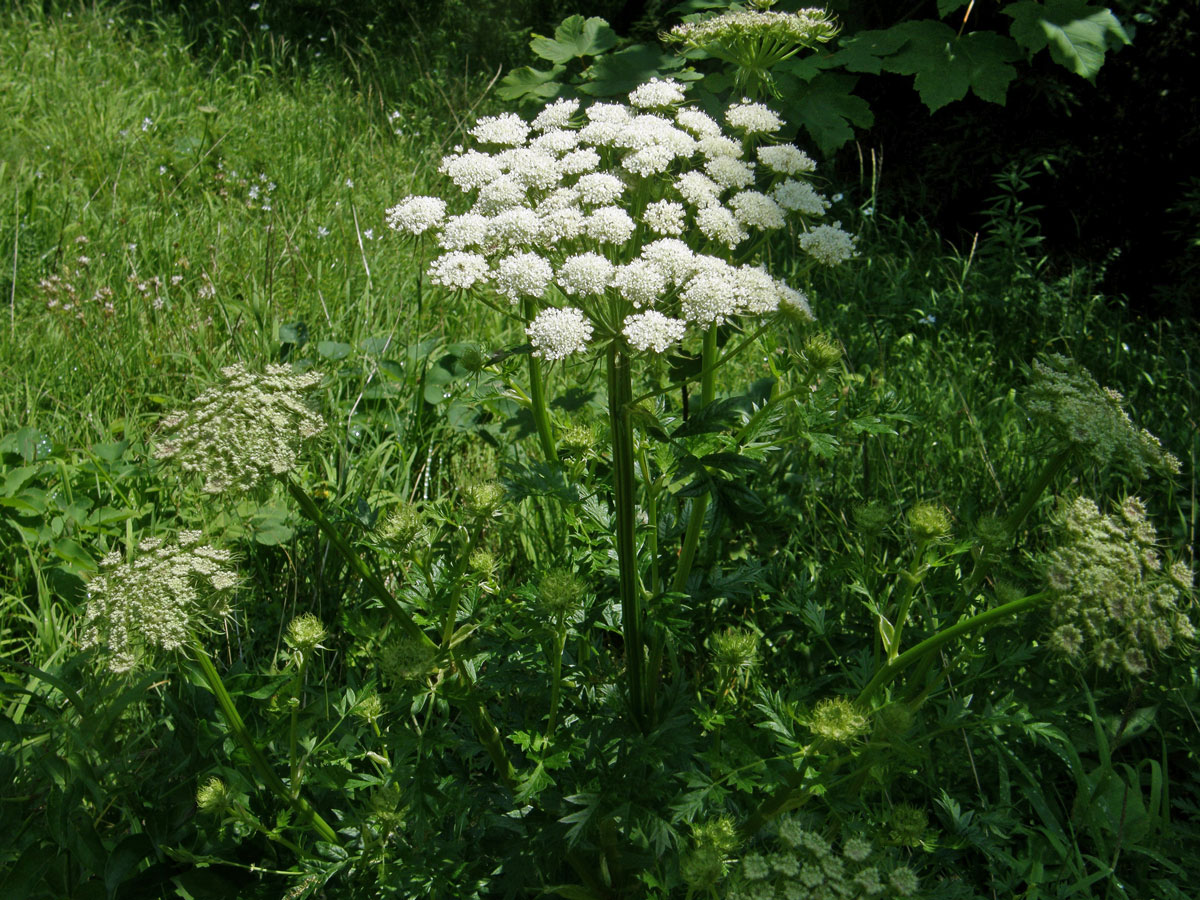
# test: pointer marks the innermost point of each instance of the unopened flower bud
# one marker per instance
(305, 632)
(483, 500)
(928, 522)
(213, 797)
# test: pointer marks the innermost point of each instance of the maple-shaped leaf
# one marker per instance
(1077, 33)
(947, 65)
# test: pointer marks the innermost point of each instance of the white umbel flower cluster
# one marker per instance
(595, 216)
(557, 333)
(157, 601)
(243, 430)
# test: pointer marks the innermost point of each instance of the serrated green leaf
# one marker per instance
(866, 51)
(620, 72)
(529, 84)
(333, 349)
(575, 37)
(827, 108)
(948, 6)
(947, 65)
(1078, 34)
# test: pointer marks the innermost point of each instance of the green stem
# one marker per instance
(451, 618)
(484, 729)
(560, 640)
(238, 727)
(691, 539)
(908, 586)
(786, 794)
(652, 516)
(356, 562)
(537, 398)
(294, 727)
(620, 393)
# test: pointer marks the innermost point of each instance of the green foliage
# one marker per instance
(831, 650)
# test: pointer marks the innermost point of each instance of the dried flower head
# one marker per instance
(1114, 601)
(159, 600)
(244, 430)
(1092, 419)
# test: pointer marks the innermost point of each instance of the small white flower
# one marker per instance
(599, 188)
(507, 129)
(664, 217)
(470, 170)
(719, 224)
(729, 172)
(640, 282)
(557, 333)
(652, 160)
(503, 193)
(585, 159)
(608, 112)
(715, 145)
(556, 141)
(560, 225)
(610, 225)
(523, 275)
(757, 292)
(698, 189)
(460, 232)
(516, 227)
(322, 231)
(147, 123)
(254, 7)
(556, 115)
(458, 270)
(349, 182)
(710, 297)
(673, 256)
(799, 196)
(752, 118)
(655, 93)
(698, 123)
(829, 244)
(416, 215)
(786, 159)
(162, 170)
(652, 330)
(585, 274)
(369, 234)
(533, 168)
(756, 210)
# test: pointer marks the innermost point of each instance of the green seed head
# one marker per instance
(735, 650)
(369, 708)
(908, 825)
(213, 797)
(305, 633)
(483, 500)
(872, 518)
(577, 441)
(401, 528)
(821, 353)
(837, 719)
(928, 522)
(560, 592)
(482, 564)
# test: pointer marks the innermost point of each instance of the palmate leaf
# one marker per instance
(527, 84)
(1077, 34)
(947, 65)
(574, 37)
(620, 72)
(827, 108)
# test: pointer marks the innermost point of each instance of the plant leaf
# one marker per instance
(574, 37)
(527, 84)
(1078, 35)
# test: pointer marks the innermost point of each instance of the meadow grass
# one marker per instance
(165, 212)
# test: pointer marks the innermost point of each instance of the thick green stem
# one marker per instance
(486, 731)
(238, 727)
(537, 398)
(560, 640)
(620, 393)
(294, 728)
(691, 539)
(908, 586)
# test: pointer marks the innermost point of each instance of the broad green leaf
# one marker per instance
(866, 51)
(948, 6)
(333, 349)
(827, 108)
(947, 65)
(575, 37)
(1077, 33)
(621, 72)
(527, 83)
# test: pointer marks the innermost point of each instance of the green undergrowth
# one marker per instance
(166, 212)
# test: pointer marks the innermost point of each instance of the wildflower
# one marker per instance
(241, 431)
(158, 600)
(652, 330)
(585, 274)
(609, 225)
(664, 217)
(213, 797)
(416, 215)
(698, 189)
(656, 93)
(786, 159)
(729, 172)
(640, 282)
(556, 115)
(461, 232)
(718, 224)
(507, 129)
(756, 210)
(322, 231)
(698, 123)
(837, 719)
(458, 270)
(829, 244)
(470, 170)
(523, 275)
(599, 188)
(799, 196)
(710, 297)
(557, 333)
(752, 118)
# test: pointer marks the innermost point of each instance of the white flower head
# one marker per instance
(657, 93)
(585, 274)
(585, 159)
(801, 197)
(730, 172)
(698, 123)
(792, 300)
(829, 244)
(664, 217)
(673, 256)
(715, 145)
(556, 115)
(610, 225)
(458, 270)
(756, 210)
(640, 282)
(698, 189)
(599, 188)
(557, 333)
(710, 297)
(558, 225)
(461, 232)
(753, 118)
(557, 141)
(516, 227)
(786, 159)
(522, 275)
(503, 193)
(470, 170)
(652, 160)
(416, 215)
(534, 169)
(719, 224)
(506, 129)
(652, 330)
(757, 292)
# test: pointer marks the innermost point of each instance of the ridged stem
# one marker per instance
(691, 538)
